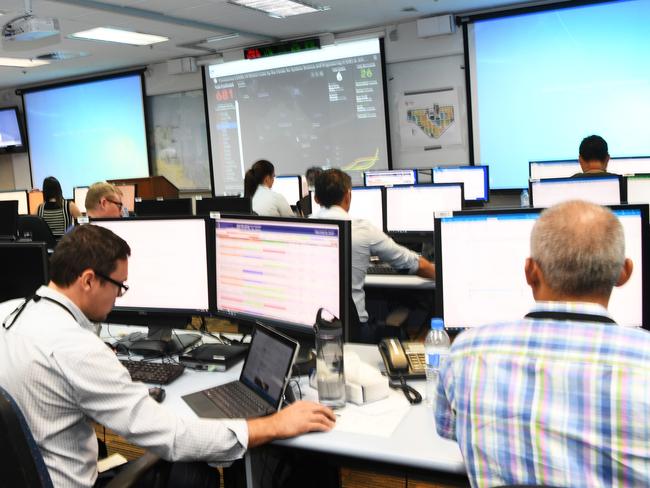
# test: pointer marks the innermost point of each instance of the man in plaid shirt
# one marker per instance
(562, 396)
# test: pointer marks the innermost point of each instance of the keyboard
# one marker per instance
(157, 373)
(385, 269)
(235, 400)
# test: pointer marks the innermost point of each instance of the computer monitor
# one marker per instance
(480, 260)
(539, 170)
(232, 204)
(410, 208)
(12, 138)
(20, 196)
(629, 165)
(8, 219)
(282, 271)
(129, 191)
(24, 268)
(603, 190)
(289, 186)
(475, 180)
(390, 177)
(35, 198)
(315, 208)
(170, 278)
(80, 193)
(367, 204)
(638, 188)
(174, 207)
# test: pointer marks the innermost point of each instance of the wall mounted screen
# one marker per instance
(541, 82)
(11, 136)
(88, 131)
(298, 110)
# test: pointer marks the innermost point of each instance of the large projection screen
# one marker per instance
(316, 108)
(87, 131)
(541, 82)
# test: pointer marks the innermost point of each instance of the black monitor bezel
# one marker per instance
(45, 263)
(10, 205)
(299, 177)
(300, 332)
(164, 316)
(247, 202)
(161, 203)
(382, 192)
(622, 188)
(365, 175)
(21, 129)
(26, 192)
(645, 254)
(464, 167)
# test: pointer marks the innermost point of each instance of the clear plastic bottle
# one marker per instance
(436, 350)
(524, 199)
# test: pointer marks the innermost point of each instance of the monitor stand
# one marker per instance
(158, 341)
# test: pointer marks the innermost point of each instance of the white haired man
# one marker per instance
(560, 397)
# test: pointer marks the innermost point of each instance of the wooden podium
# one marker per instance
(150, 187)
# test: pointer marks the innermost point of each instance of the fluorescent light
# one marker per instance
(280, 8)
(110, 34)
(222, 37)
(22, 62)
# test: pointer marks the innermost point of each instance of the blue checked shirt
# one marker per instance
(540, 401)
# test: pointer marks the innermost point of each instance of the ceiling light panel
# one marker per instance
(279, 8)
(22, 62)
(110, 34)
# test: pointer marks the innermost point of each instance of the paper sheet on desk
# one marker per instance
(378, 418)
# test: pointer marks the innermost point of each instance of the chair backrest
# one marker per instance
(37, 228)
(21, 462)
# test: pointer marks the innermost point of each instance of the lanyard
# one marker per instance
(10, 320)
(570, 316)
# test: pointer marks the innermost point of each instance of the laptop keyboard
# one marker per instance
(237, 401)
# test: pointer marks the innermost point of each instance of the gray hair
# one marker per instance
(580, 248)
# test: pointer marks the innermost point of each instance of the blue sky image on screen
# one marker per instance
(547, 80)
(87, 132)
(9, 130)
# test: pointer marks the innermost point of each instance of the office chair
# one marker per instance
(21, 462)
(37, 228)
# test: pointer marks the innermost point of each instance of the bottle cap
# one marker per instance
(437, 323)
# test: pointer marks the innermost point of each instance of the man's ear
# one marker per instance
(626, 272)
(532, 273)
(86, 278)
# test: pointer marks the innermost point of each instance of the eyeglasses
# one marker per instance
(119, 204)
(122, 288)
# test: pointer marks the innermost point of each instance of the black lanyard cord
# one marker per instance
(10, 320)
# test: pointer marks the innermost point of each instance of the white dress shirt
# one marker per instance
(269, 203)
(368, 240)
(63, 376)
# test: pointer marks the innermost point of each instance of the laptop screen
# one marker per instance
(267, 365)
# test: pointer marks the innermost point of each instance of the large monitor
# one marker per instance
(24, 268)
(282, 271)
(20, 196)
(8, 219)
(540, 170)
(367, 203)
(170, 276)
(603, 190)
(390, 177)
(474, 178)
(638, 188)
(236, 205)
(80, 193)
(289, 186)
(480, 260)
(173, 207)
(629, 165)
(410, 209)
(11, 131)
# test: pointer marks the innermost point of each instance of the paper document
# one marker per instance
(110, 462)
(378, 418)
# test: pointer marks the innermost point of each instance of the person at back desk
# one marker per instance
(58, 213)
(334, 195)
(63, 377)
(257, 185)
(103, 200)
(562, 396)
(593, 157)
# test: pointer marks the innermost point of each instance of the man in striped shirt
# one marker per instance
(562, 396)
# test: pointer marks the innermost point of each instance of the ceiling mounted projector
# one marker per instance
(29, 28)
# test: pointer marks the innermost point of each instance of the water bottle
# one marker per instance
(436, 350)
(524, 199)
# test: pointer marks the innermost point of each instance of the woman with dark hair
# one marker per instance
(257, 185)
(55, 210)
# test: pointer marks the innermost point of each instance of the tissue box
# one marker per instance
(366, 393)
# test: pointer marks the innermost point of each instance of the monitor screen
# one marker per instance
(24, 268)
(289, 186)
(367, 204)
(20, 196)
(128, 196)
(390, 177)
(411, 208)
(171, 207)
(638, 189)
(11, 136)
(168, 266)
(35, 199)
(80, 193)
(281, 271)
(629, 166)
(474, 178)
(540, 170)
(604, 190)
(237, 205)
(8, 219)
(480, 259)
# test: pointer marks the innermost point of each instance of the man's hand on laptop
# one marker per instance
(298, 418)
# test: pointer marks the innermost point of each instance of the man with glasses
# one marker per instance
(104, 200)
(63, 377)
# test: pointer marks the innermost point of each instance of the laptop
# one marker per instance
(260, 388)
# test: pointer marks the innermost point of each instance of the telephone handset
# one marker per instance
(404, 359)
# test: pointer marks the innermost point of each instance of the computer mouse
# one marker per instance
(157, 394)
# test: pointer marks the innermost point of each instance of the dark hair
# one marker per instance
(594, 148)
(86, 247)
(331, 186)
(52, 190)
(311, 174)
(255, 176)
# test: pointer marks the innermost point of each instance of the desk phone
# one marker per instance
(405, 359)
